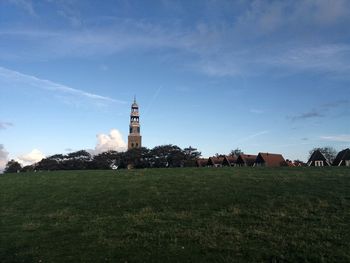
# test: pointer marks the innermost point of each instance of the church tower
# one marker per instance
(134, 138)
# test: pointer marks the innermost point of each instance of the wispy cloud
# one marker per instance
(265, 17)
(256, 111)
(206, 49)
(337, 138)
(26, 5)
(270, 25)
(252, 136)
(292, 144)
(153, 99)
(320, 111)
(324, 58)
(216, 47)
(335, 104)
(16, 77)
(307, 115)
(67, 11)
(4, 125)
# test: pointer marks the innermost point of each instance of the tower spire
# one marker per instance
(134, 138)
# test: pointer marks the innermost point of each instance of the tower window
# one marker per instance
(132, 145)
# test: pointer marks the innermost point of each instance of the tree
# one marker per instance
(82, 155)
(48, 164)
(137, 157)
(236, 152)
(12, 167)
(106, 160)
(190, 156)
(28, 168)
(78, 160)
(166, 156)
(160, 156)
(191, 153)
(329, 153)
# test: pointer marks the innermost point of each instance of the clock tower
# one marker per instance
(134, 138)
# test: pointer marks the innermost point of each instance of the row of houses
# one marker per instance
(318, 159)
(274, 160)
(262, 159)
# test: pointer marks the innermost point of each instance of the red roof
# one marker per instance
(202, 162)
(231, 159)
(271, 159)
(248, 159)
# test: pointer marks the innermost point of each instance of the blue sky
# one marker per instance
(269, 76)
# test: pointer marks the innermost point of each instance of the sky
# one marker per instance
(262, 76)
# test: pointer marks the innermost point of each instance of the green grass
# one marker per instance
(176, 215)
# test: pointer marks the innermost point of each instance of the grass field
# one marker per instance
(176, 215)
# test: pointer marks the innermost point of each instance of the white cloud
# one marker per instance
(107, 142)
(337, 138)
(34, 156)
(3, 157)
(15, 77)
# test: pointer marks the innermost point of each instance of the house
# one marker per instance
(270, 160)
(290, 163)
(246, 160)
(215, 161)
(229, 160)
(343, 158)
(202, 162)
(298, 163)
(317, 159)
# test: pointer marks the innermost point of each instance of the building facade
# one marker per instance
(134, 138)
(318, 159)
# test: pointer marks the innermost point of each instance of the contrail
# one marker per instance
(150, 104)
(29, 80)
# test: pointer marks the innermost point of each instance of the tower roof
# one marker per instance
(134, 105)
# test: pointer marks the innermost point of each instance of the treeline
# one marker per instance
(158, 157)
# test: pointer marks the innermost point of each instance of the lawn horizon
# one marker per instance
(239, 214)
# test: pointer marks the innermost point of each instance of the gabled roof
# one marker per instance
(271, 159)
(202, 162)
(215, 160)
(317, 156)
(342, 156)
(248, 159)
(230, 160)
